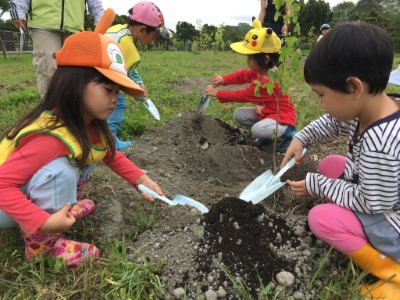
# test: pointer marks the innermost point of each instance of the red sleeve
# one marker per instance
(33, 152)
(123, 167)
(245, 95)
(240, 77)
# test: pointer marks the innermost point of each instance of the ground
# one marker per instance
(236, 243)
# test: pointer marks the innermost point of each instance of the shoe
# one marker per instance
(82, 208)
(286, 139)
(381, 266)
(119, 145)
(72, 252)
(260, 142)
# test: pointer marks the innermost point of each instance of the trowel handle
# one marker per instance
(145, 189)
(290, 163)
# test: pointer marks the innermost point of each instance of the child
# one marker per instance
(324, 29)
(145, 23)
(262, 47)
(362, 218)
(46, 154)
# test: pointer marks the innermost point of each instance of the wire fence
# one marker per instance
(15, 42)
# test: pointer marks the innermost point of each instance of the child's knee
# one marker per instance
(332, 166)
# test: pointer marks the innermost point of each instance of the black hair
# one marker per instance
(65, 98)
(355, 49)
(135, 23)
(259, 59)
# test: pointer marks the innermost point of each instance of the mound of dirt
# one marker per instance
(210, 161)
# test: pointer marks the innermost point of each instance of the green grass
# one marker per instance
(115, 276)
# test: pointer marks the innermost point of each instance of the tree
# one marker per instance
(185, 32)
(313, 14)
(4, 6)
(343, 11)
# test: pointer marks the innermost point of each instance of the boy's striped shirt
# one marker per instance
(372, 172)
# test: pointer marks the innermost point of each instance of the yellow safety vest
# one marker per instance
(97, 151)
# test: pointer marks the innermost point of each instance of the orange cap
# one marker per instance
(91, 49)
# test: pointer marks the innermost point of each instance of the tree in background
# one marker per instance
(4, 6)
(312, 15)
(342, 11)
(235, 33)
(185, 32)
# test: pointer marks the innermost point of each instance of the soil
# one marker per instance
(236, 244)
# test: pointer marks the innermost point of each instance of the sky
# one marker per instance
(211, 12)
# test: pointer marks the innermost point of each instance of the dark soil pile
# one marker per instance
(239, 234)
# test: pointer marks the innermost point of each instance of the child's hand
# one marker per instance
(295, 149)
(298, 187)
(211, 91)
(146, 181)
(144, 89)
(217, 80)
(60, 221)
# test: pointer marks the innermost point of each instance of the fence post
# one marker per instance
(3, 48)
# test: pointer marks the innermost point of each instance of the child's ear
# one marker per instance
(142, 29)
(354, 85)
(267, 59)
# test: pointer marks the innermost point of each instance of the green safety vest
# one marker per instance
(65, 15)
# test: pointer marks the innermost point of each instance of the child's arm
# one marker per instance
(122, 166)
(323, 128)
(240, 77)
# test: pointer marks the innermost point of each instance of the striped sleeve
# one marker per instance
(18, 9)
(321, 129)
(377, 189)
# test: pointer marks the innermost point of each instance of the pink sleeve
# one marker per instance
(33, 152)
(123, 167)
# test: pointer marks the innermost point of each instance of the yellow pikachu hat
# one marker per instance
(258, 40)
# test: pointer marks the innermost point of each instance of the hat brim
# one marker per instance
(240, 48)
(127, 85)
(164, 32)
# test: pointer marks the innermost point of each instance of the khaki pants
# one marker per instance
(45, 43)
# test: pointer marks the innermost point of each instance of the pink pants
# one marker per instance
(335, 225)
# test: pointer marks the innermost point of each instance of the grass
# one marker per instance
(173, 80)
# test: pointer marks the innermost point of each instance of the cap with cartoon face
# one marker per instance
(91, 49)
(258, 40)
(147, 13)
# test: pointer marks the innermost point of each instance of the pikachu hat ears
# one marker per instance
(258, 40)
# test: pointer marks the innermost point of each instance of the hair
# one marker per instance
(65, 97)
(355, 49)
(135, 23)
(259, 59)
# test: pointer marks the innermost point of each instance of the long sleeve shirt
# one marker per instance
(34, 152)
(19, 9)
(372, 172)
(256, 93)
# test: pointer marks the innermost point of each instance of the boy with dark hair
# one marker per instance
(349, 70)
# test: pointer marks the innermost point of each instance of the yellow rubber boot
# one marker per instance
(381, 266)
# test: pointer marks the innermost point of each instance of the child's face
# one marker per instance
(99, 100)
(145, 37)
(252, 64)
(325, 31)
(339, 105)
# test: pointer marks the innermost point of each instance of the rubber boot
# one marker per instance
(381, 266)
(82, 208)
(72, 252)
(286, 139)
(115, 120)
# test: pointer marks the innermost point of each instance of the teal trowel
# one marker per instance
(176, 200)
(267, 183)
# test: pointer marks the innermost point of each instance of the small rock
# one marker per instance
(205, 146)
(260, 218)
(179, 293)
(285, 279)
(210, 279)
(221, 293)
(211, 295)
(236, 225)
(238, 242)
(298, 296)
(157, 245)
